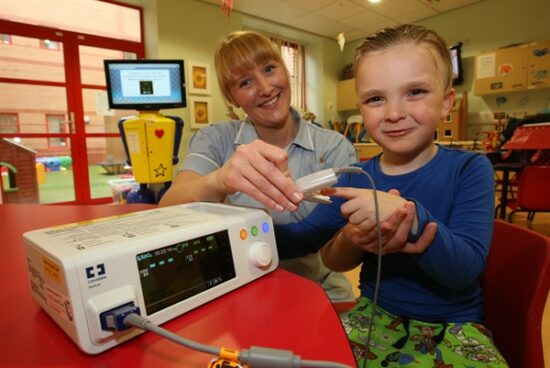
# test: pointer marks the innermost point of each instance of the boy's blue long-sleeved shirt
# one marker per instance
(456, 190)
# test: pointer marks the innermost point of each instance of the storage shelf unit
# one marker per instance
(510, 69)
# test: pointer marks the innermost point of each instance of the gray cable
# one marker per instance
(138, 321)
(358, 170)
(255, 357)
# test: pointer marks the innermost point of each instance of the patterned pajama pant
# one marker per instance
(397, 342)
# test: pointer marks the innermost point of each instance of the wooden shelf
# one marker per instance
(346, 99)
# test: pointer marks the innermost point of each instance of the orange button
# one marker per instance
(244, 234)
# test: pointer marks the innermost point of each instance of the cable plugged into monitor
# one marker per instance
(255, 357)
(113, 319)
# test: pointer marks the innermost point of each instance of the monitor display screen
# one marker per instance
(456, 59)
(182, 270)
(145, 84)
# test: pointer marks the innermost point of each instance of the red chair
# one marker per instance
(515, 288)
(533, 193)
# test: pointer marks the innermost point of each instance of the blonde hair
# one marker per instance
(403, 35)
(240, 52)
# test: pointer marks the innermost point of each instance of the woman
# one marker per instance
(253, 162)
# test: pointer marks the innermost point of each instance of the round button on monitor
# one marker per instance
(260, 254)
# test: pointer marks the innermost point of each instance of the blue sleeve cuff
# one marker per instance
(423, 217)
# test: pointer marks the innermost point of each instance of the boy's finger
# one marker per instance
(342, 192)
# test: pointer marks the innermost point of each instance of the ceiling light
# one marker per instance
(374, 1)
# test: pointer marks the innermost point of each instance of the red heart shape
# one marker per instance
(159, 132)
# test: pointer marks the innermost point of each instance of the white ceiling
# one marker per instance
(356, 18)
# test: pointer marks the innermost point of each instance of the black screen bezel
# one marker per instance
(458, 50)
(143, 106)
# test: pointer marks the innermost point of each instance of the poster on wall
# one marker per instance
(198, 78)
(201, 111)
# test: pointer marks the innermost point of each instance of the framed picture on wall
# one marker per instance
(198, 78)
(200, 109)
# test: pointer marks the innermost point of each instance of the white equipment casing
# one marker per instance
(166, 261)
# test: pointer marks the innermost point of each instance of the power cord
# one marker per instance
(358, 170)
(255, 357)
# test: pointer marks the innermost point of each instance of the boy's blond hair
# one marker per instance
(240, 52)
(406, 34)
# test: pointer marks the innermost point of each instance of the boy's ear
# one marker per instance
(448, 102)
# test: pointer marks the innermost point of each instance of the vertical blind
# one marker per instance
(294, 57)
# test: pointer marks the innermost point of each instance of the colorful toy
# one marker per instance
(151, 141)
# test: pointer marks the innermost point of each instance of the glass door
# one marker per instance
(57, 135)
(105, 154)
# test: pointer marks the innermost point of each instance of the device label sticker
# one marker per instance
(51, 269)
(37, 280)
(59, 303)
(132, 139)
(121, 228)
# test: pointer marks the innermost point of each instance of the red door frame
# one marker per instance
(73, 86)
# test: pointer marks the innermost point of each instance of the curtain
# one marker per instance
(294, 57)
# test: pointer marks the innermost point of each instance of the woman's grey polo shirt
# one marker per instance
(313, 149)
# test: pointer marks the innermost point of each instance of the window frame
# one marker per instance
(65, 130)
(17, 125)
(9, 39)
(43, 47)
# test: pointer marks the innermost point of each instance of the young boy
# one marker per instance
(429, 308)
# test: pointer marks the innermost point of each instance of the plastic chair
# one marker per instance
(515, 288)
(532, 194)
(354, 128)
(337, 125)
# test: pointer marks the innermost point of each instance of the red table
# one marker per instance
(280, 310)
(526, 137)
(530, 137)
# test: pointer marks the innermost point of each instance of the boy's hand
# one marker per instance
(395, 226)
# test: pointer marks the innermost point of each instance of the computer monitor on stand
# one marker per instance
(151, 140)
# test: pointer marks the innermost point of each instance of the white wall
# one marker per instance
(483, 26)
(190, 30)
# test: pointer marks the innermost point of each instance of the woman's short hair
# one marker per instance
(241, 52)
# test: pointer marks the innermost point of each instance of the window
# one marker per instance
(49, 45)
(9, 123)
(129, 55)
(293, 56)
(101, 18)
(53, 99)
(56, 124)
(5, 39)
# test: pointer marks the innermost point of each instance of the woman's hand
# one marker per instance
(261, 171)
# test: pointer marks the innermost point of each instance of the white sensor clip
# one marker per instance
(311, 184)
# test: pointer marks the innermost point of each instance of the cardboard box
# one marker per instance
(502, 70)
(538, 75)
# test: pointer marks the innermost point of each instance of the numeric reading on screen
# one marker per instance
(179, 271)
